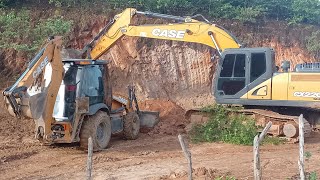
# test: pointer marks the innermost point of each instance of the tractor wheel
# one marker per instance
(131, 126)
(98, 127)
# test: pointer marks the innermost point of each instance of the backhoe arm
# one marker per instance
(34, 94)
(185, 29)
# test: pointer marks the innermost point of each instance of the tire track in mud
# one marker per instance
(19, 156)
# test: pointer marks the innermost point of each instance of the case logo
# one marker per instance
(168, 33)
(40, 68)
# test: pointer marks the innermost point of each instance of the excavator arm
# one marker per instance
(184, 29)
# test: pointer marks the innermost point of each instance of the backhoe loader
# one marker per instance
(71, 100)
(244, 76)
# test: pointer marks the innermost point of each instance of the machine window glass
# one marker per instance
(227, 66)
(239, 66)
(65, 102)
(258, 65)
(91, 84)
(70, 91)
(70, 75)
(232, 77)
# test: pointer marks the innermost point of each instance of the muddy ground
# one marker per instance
(156, 155)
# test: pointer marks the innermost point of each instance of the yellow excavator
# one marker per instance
(244, 76)
(71, 99)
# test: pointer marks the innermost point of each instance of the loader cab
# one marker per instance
(80, 80)
(239, 71)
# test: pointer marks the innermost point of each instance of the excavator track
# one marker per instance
(285, 126)
(282, 125)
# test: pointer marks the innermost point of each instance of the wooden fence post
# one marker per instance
(89, 160)
(301, 148)
(187, 154)
(256, 156)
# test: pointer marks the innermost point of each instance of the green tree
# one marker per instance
(312, 43)
(278, 9)
(18, 33)
(306, 11)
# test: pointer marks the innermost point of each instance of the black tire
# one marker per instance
(131, 126)
(98, 126)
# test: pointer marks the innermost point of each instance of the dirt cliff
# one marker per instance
(167, 70)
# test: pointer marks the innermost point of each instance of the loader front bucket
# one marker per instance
(149, 119)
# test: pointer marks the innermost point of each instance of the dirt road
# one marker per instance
(154, 156)
(149, 157)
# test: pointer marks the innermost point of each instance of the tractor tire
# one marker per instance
(98, 127)
(131, 126)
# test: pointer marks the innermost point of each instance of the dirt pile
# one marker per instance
(172, 116)
(17, 137)
(12, 128)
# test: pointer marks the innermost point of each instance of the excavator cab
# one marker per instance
(241, 70)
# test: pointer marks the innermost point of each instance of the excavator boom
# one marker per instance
(184, 29)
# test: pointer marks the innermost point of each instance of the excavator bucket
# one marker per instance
(149, 119)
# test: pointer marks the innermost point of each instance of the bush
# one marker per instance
(312, 43)
(249, 14)
(306, 11)
(296, 11)
(14, 27)
(224, 126)
(313, 176)
(51, 26)
(18, 33)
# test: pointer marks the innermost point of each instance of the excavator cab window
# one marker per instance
(258, 65)
(232, 76)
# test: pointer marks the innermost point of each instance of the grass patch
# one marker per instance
(224, 126)
(273, 140)
(313, 176)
